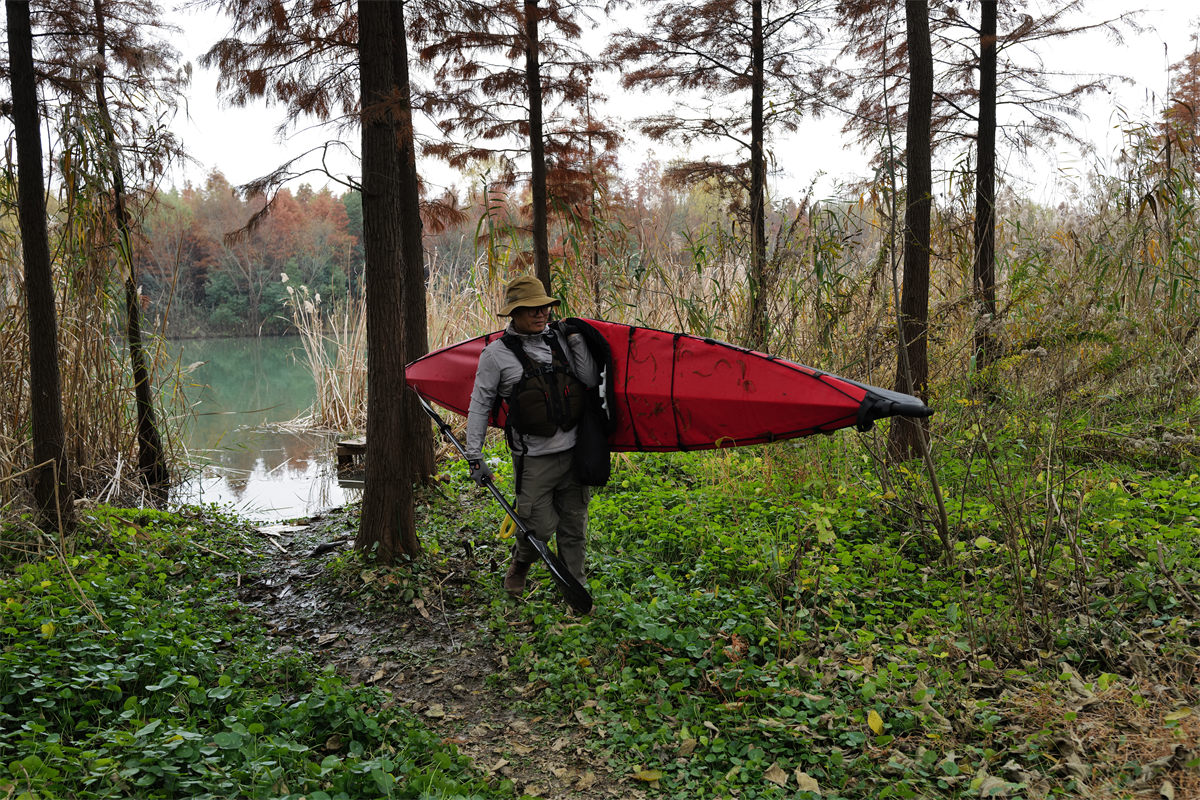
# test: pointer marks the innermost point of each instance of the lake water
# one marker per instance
(240, 391)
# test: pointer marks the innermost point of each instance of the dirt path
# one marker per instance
(431, 652)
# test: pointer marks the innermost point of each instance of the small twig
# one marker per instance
(278, 546)
(1162, 564)
(208, 550)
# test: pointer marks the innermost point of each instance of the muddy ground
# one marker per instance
(433, 653)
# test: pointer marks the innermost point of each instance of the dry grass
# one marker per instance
(1125, 741)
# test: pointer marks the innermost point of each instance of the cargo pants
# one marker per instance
(552, 502)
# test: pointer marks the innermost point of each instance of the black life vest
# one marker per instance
(547, 397)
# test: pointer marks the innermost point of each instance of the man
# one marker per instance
(543, 376)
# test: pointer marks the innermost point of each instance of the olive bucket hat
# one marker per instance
(524, 292)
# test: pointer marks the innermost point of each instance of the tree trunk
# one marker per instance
(912, 369)
(759, 332)
(152, 464)
(537, 151)
(984, 272)
(51, 485)
(412, 286)
(387, 524)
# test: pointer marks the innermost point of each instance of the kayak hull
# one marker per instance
(674, 391)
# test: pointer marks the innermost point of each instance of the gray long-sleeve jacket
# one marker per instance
(499, 370)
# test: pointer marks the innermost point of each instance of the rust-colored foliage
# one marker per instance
(477, 55)
(1182, 117)
(703, 52)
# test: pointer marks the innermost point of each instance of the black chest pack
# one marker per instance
(548, 397)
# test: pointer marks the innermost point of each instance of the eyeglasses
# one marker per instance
(537, 312)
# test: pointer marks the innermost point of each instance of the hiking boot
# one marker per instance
(514, 579)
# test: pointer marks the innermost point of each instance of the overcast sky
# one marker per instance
(242, 143)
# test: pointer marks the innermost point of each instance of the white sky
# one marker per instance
(242, 143)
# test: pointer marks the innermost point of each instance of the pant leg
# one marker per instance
(535, 502)
(571, 503)
(552, 502)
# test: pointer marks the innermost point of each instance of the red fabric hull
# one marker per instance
(679, 392)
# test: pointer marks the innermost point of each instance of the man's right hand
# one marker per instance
(481, 473)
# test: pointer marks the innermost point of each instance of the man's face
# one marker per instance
(530, 320)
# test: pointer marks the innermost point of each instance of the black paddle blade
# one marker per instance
(571, 588)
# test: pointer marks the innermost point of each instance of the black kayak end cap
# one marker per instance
(881, 403)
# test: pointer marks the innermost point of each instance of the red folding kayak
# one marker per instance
(674, 391)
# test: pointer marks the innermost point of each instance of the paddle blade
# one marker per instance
(571, 588)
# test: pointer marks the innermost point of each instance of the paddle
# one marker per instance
(571, 588)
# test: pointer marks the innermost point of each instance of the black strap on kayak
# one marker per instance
(675, 406)
(633, 421)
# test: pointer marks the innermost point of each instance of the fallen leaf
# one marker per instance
(807, 783)
(1175, 716)
(686, 747)
(499, 765)
(875, 722)
(533, 790)
(559, 744)
(1167, 790)
(776, 775)
(435, 711)
(326, 638)
(334, 742)
(648, 775)
(586, 781)
(419, 605)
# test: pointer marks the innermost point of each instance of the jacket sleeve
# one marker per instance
(483, 398)
(586, 368)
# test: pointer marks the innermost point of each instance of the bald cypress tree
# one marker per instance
(51, 487)
(738, 71)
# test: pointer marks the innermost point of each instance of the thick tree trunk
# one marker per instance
(912, 369)
(759, 332)
(152, 464)
(412, 285)
(984, 272)
(387, 524)
(537, 150)
(52, 496)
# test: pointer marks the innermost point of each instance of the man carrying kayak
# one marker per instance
(543, 376)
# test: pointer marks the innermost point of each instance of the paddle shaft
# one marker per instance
(571, 588)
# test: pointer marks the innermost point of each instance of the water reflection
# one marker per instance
(240, 391)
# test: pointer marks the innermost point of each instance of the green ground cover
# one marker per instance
(763, 631)
(772, 622)
(126, 671)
